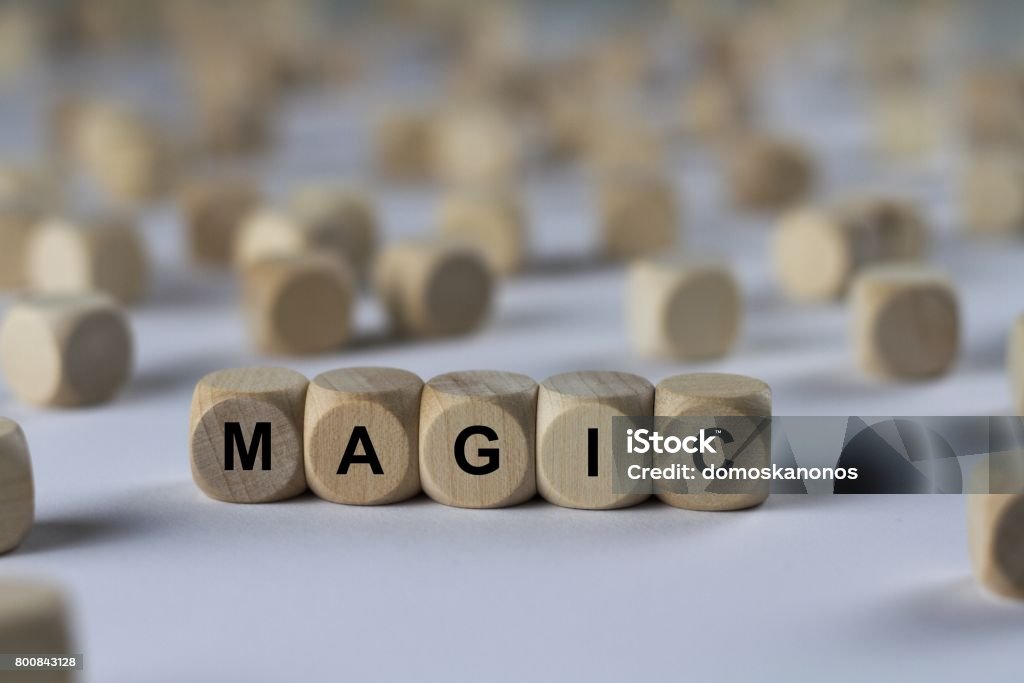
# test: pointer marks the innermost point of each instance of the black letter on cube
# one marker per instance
(233, 439)
(360, 436)
(490, 453)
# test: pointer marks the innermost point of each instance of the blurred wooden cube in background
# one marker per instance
(434, 288)
(818, 250)
(99, 252)
(682, 310)
(17, 493)
(639, 215)
(66, 350)
(905, 321)
(492, 219)
(299, 304)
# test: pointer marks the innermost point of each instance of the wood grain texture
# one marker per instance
(34, 620)
(17, 494)
(568, 406)
(639, 215)
(386, 403)
(682, 310)
(65, 350)
(818, 251)
(102, 253)
(720, 395)
(213, 210)
(249, 396)
(16, 223)
(299, 304)
(504, 402)
(906, 321)
(768, 173)
(434, 288)
(339, 220)
(493, 220)
(995, 523)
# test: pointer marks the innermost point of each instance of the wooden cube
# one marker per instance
(434, 288)
(639, 215)
(1015, 363)
(246, 434)
(98, 253)
(34, 621)
(23, 39)
(268, 233)
(995, 519)
(994, 108)
(477, 145)
(575, 465)
(621, 145)
(362, 435)
(27, 186)
(232, 126)
(213, 210)
(817, 252)
(622, 62)
(477, 431)
(564, 131)
(769, 173)
(906, 321)
(232, 89)
(64, 350)
(299, 304)
(683, 310)
(993, 194)
(715, 107)
(710, 395)
(16, 223)
(906, 122)
(513, 84)
(338, 219)
(123, 152)
(345, 231)
(17, 495)
(493, 220)
(404, 144)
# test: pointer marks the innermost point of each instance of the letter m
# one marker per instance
(235, 440)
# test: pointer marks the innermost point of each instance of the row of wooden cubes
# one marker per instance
(370, 436)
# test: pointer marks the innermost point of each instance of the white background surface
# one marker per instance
(170, 586)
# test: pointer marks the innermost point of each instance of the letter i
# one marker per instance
(592, 451)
